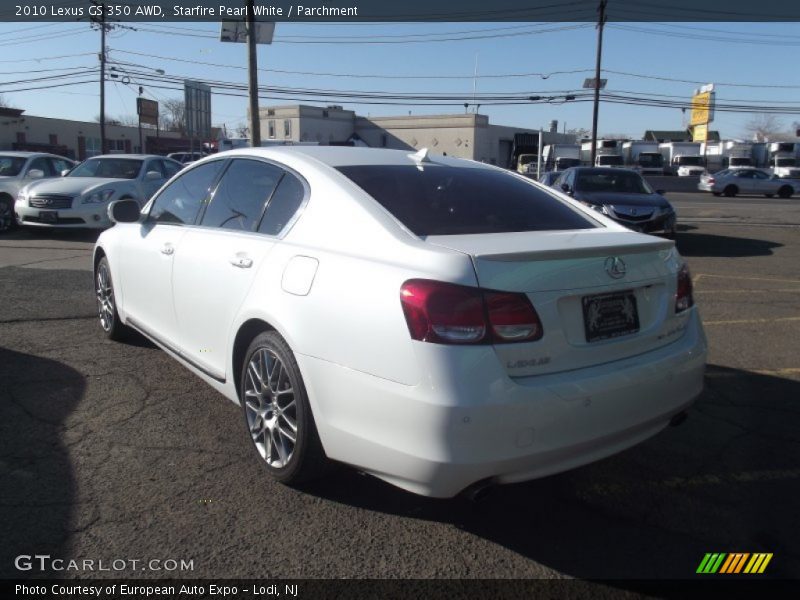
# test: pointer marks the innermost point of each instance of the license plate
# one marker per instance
(48, 216)
(610, 315)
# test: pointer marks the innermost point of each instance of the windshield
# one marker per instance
(785, 162)
(113, 168)
(525, 159)
(740, 161)
(690, 161)
(651, 160)
(444, 200)
(10, 166)
(623, 182)
(609, 159)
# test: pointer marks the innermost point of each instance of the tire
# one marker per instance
(107, 303)
(785, 192)
(7, 220)
(730, 191)
(769, 195)
(717, 193)
(276, 409)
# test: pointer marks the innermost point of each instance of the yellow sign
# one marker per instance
(702, 109)
(700, 133)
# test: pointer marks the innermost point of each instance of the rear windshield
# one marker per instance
(443, 200)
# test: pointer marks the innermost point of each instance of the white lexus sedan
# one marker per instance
(81, 198)
(435, 322)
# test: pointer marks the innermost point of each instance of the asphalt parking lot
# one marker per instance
(115, 451)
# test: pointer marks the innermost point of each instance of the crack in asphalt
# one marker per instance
(45, 319)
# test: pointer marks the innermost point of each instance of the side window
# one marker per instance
(241, 194)
(181, 200)
(759, 175)
(170, 168)
(42, 164)
(153, 165)
(59, 165)
(283, 205)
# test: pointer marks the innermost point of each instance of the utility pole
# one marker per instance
(252, 71)
(101, 22)
(601, 21)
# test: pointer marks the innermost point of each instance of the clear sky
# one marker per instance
(758, 55)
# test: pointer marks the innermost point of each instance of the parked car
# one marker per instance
(622, 195)
(186, 158)
(17, 169)
(80, 199)
(733, 182)
(549, 178)
(435, 322)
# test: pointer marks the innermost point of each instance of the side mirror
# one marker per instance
(124, 211)
(64, 172)
(153, 175)
(35, 174)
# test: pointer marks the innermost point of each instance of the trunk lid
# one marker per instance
(622, 282)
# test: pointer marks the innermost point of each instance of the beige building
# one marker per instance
(73, 139)
(462, 135)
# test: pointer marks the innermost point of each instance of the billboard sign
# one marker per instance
(236, 31)
(197, 98)
(147, 111)
(700, 133)
(703, 106)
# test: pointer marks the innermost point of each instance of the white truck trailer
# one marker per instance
(737, 154)
(609, 153)
(643, 157)
(682, 158)
(557, 157)
(783, 159)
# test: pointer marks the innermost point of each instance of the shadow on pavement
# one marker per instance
(75, 235)
(704, 244)
(725, 481)
(37, 488)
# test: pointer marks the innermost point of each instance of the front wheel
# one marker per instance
(277, 412)
(731, 191)
(769, 195)
(107, 303)
(7, 220)
(785, 192)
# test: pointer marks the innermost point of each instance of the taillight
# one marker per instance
(447, 313)
(683, 295)
(711, 180)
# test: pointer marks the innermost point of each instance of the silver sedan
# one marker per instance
(746, 181)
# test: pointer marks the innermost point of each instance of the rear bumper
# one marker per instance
(467, 421)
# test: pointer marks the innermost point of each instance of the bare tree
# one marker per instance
(580, 133)
(4, 103)
(765, 128)
(172, 115)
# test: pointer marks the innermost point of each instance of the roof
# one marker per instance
(133, 156)
(339, 156)
(22, 154)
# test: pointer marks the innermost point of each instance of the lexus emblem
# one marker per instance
(615, 267)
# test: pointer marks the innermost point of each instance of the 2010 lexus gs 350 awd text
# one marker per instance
(432, 321)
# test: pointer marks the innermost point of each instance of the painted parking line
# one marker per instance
(769, 291)
(741, 278)
(751, 321)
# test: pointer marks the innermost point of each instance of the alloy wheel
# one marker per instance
(105, 298)
(6, 216)
(270, 408)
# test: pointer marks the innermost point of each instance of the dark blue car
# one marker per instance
(622, 195)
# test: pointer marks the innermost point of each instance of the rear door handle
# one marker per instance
(242, 262)
(167, 249)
